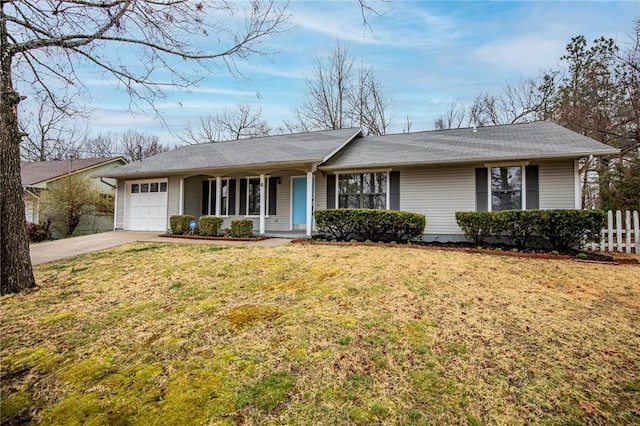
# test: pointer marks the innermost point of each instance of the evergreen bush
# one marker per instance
(179, 224)
(209, 226)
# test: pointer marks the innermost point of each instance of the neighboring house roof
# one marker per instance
(542, 139)
(302, 148)
(39, 172)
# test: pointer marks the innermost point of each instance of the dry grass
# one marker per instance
(181, 334)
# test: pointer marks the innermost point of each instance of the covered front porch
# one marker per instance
(280, 202)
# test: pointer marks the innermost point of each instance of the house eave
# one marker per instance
(342, 146)
(44, 182)
(560, 156)
(231, 169)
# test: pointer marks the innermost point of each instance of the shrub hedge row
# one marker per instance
(563, 229)
(209, 226)
(370, 224)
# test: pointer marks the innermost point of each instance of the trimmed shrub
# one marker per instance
(179, 223)
(478, 226)
(38, 232)
(518, 225)
(407, 226)
(570, 229)
(241, 228)
(209, 226)
(370, 224)
(339, 223)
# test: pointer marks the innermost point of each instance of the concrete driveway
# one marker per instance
(68, 247)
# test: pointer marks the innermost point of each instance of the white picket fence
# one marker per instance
(622, 233)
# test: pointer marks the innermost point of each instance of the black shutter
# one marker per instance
(482, 190)
(394, 190)
(214, 188)
(273, 195)
(205, 197)
(243, 196)
(331, 191)
(231, 193)
(533, 193)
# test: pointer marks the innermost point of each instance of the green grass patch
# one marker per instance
(147, 247)
(268, 392)
(320, 335)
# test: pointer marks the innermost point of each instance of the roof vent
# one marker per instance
(475, 130)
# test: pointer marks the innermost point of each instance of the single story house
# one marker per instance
(278, 181)
(37, 175)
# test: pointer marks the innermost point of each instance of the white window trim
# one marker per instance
(345, 172)
(523, 188)
(214, 181)
(266, 196)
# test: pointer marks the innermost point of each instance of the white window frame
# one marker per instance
(266, 196)
(214, 181)
(523, 187)
(349, 172)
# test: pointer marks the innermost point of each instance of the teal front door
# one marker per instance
(299, 203)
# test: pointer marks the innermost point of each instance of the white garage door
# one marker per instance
(146, 208)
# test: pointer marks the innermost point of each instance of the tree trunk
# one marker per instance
(72, 223)
(15, 263)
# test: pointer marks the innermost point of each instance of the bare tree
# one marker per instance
(136, 145)
(452, 118)
(132, 145)
(49, 134)
(340, 95)
(43, 43)
(526, 101)
(239, 123)
(368, 103)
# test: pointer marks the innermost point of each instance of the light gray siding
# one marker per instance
(320, 202)
(438, 192)
(557, 185)
(120, 201)
(173, 200)
(193, 195)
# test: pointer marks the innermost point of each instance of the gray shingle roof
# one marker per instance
(541, 139)
(313, 147)
(41, 171)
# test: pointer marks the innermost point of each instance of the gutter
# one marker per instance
(107, 183)
(572, 156)
(27, 190)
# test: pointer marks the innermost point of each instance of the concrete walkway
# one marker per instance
(68, 247)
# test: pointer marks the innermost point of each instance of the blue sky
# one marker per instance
(426, 54)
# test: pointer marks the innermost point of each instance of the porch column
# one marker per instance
(577, 185)
(309, 202)
(181, 197)
(262, 204)
(218, 195)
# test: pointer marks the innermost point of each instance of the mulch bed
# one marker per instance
(223, 238)
(585, 257)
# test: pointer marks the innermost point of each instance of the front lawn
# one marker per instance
(174, 334)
